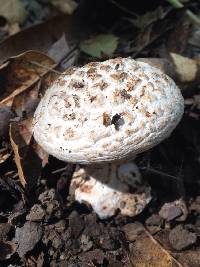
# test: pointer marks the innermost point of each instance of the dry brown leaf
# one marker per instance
(186, 68)
(26, 102)
(147, 36)
(29, 157)
(25, 130)
(62, 53)
(189, 258)
(20, 73)
(147, 252)
(142, 21)
(42, 36)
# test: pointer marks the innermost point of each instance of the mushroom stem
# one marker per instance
(111, 187)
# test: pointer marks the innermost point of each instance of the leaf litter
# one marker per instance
(40, 223)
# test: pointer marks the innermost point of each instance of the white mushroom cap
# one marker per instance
(107, 111)
(117, 188)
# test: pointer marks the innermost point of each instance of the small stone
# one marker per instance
(173, 210)
(154, 220)
(95, 256)
(180, 238)
(54, 234)
(86, 243)
(36, 213)
(50, 204)
(133, 230)
(27, 237)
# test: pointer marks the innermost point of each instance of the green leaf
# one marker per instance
(100, 44)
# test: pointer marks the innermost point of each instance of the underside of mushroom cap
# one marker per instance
(107, 111)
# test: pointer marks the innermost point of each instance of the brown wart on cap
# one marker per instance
(137, 109)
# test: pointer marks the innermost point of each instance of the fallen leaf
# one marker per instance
(65, 6)
(62, 53)
(26, 132)
(145, 37)
(13, 11)
(146, 251)
(20, 73)
(186, 68)
(142, 21)
(189, 258)
(100, 44)
(42, 36)
(29, 156)
(25, 103)
(175, 42)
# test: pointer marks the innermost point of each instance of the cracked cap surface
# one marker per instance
(107, 111)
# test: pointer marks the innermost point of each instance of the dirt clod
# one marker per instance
(133, 230)
(27, 237)
(180, 238)
(36, 213)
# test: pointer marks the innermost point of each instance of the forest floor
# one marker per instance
(40, 223)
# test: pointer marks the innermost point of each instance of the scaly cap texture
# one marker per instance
(107, 111)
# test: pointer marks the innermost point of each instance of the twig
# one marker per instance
(161, 247)
(123, 8)
(160, 173)
(59, 170)
(45, 67)
(177, 4)
(154, 171)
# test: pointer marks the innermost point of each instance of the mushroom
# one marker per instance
(101, 116)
